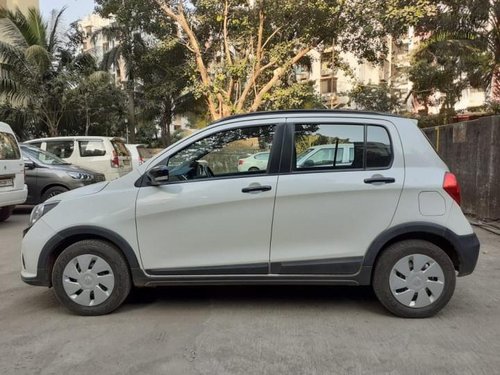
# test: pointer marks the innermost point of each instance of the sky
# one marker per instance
(76, 9)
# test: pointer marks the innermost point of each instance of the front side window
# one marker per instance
(91, 148)
(218, 155)
(62, 149)
(336, 146)
(8, 147)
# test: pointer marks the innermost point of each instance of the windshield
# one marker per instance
(44, 157)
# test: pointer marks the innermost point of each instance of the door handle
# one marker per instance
(251, 189)
(380, 180)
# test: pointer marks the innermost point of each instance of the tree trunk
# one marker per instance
(166, 121)
(131, 111)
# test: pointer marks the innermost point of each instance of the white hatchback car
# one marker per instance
(106, 155)
(390, 217)
(255, 162)
(12, 188)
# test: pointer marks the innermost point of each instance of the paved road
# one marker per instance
(248, 330)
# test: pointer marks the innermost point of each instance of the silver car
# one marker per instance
(47, 175)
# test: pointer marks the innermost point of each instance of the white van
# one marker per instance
(12, 188)
(107, 155)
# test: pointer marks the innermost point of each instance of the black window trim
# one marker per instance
(272, 167)
(288, 153)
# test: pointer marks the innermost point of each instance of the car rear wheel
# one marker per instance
(414, 279)
(53, 191)
(91, 277)
(5, 212)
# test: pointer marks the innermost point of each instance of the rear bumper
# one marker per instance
(11, 198)
(467, 248)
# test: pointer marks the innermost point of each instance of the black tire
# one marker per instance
(118, 264)
(391, 256)
(5, 212)
(253, 169)
(53, 191)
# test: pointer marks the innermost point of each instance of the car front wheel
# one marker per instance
(91, 277)
(414, 279)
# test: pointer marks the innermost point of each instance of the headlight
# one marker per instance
(80, 175)
(40, 210)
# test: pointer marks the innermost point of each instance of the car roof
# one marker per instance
(315, 112)
(76, 138)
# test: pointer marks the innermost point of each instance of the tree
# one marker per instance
(97, 105)
(467, 29)
(378, 98)
(36, 69)
(242, 51)
(164, 78)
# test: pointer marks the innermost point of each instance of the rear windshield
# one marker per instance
(120, 148)
(91, 148)
(8, 147)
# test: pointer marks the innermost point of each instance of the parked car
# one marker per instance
(390, 217)
(12, 188)
(321, 156)
(138, 154)
(47, 175)
(105, 155)
(255, 162)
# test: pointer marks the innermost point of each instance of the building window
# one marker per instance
(328, 86)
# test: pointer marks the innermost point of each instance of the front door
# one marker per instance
(211, 218)
(331, 205)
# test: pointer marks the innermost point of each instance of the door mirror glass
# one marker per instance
(158, 175)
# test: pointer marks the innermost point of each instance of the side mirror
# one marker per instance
(308, 164)
(28, 164)
(158, 175)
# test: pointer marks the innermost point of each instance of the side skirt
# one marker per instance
(141, 279)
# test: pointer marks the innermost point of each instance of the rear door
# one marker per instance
(326, 215)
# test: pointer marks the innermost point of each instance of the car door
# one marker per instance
(326, 216)
(209, 218)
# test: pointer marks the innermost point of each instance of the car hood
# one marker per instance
(80, 192)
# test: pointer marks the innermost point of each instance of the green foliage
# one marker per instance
(293, 96)
(41, 76)
(378, 98)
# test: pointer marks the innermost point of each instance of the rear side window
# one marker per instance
(91, 148)
(336, 146)
(264, 156)
(62, 149)
(8, 147)
(120, 148)
(321, 146)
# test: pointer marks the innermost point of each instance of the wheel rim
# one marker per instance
(88, 280)
(417, 281)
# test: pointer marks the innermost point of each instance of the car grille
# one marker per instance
(99, 177)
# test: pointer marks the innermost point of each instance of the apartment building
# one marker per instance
(23, 5)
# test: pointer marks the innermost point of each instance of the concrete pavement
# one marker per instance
(248, 330)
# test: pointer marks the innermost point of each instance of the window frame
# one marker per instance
(275, 153)
(289, 157)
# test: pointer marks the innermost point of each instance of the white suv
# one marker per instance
(106, 155)
(390, 217)
(12, 188)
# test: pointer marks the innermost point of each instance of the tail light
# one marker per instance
(241, 161)
(115, 162)
(451, 186)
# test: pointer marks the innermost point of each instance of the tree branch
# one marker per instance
(278, 73)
